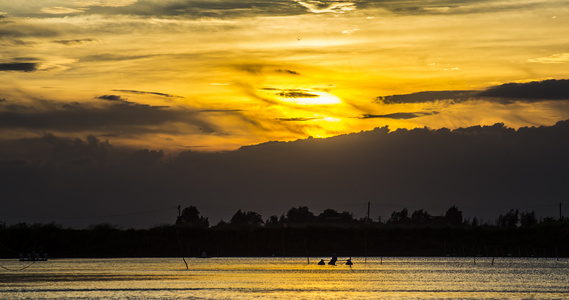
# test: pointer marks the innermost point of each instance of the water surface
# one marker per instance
(286, 278)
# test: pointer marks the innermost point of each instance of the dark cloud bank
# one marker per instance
(484, 170)
(547, 90)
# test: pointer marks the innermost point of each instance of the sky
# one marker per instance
(93, 87)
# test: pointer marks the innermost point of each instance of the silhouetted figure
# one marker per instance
(349, 262)
(333, 260)
(321, 262)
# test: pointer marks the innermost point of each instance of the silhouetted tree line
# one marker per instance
(302, 216)
(299, 232)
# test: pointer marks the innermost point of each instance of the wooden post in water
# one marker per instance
(365, 232)
(307, 256)
(365, 244)
(181, 251)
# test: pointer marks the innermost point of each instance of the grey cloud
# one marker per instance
(77, 150)
(531, 91)
(251, 68)
(112, 57)
(297, 94)
(553, 89)
(325, 6)
(118, 115)
(291, 72)
(111, 98)
(400, 116)
(490, 167)
(238, 9)
(416, 7)
(149, 93)
(427, 96)
(74, 42)
(220, 110)
(200, 9)
(24, 67)
(15, 30)
(297, 119)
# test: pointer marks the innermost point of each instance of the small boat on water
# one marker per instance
(334, 259)
(33, 256)
(204, 255)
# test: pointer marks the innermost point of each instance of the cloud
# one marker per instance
(203, 9)
(59, 10)
(112, 57)
(297, 94)
(558, 58)
(287, 71)
(348, 32)
(75, 42)
(104, 3)
(319, 7)
(483, 170)
(220, 110)
(111, 98)
(427, 96)
(118, 115)
(451, 7)
(399, 116)
(149, 93)
(530, 91)
(299, 119)
(24, 67)
(553, 89)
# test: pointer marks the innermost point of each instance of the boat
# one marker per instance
(204, 255)
(33, 256)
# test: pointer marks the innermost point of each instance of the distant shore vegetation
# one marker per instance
(300, 232)
(302, 216)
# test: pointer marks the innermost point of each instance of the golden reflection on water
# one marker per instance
(287, 278)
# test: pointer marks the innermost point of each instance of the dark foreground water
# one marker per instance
(286, 278)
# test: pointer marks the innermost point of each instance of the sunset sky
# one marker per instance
(217, 75)
(178, 75)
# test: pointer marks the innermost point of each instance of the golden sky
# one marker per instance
(216, 75)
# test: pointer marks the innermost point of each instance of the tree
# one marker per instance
(332, 216)
(249, 218)
(420, 217)
(399, 217)
(453, 216)
(475, 222)
(300, 215)
(191, 216)
(510, 219)
(528, 219)
(272, 221)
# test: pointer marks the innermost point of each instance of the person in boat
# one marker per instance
(321, 262)
(333, 260)
(349, 262)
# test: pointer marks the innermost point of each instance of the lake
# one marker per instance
(286, 278)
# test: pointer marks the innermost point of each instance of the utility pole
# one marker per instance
(179, 211)
(368, 204)
(560, 215)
